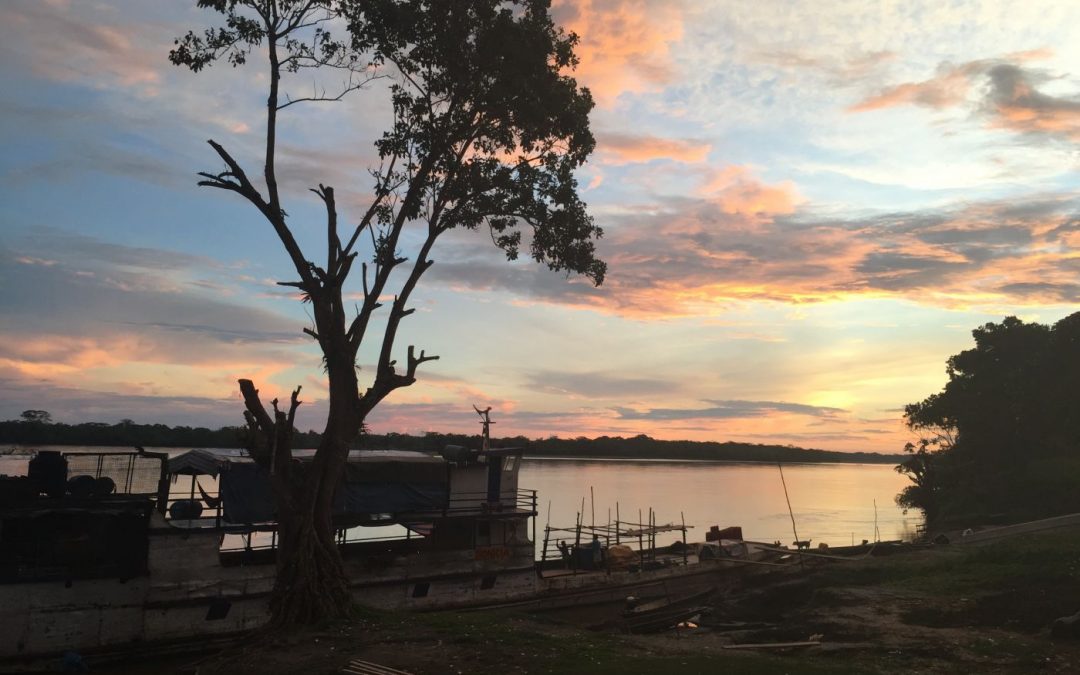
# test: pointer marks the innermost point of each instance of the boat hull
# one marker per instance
(188, 593)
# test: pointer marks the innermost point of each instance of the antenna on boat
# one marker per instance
(485, 419)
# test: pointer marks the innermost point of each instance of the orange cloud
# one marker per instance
(949, 88)
(617, 148)
(53, 355)
(624, 44)
(1011, 99)
(701, 257)
(1018, 106)
(107, 366)
(736, 191)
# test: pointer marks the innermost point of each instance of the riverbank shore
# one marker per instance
(982, 608)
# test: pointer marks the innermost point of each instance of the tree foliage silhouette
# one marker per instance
(1001, 439)
(36, 416)
(488, 129)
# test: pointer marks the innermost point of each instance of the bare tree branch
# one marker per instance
(323, 98)
(413, 362)
(255, 406)
(333, 244)
(294, 403)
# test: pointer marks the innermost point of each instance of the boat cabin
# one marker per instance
(100, 549)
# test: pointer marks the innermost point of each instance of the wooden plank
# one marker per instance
(358, 667)
(773, 645)
(654, 529)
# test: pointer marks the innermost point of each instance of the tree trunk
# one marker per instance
(311, 585)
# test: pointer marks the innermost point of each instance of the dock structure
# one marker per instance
(595, 546)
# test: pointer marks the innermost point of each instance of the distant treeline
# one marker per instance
(635, 447)
(128, 433)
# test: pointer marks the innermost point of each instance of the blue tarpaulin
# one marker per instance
(246, 494)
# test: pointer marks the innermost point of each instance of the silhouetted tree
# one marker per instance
(36, 416)
(1003, 436)
(488, 130)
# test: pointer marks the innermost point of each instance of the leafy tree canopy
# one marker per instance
(488, 129)
(1002, 439)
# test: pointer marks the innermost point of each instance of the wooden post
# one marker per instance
(682, 517)
(616, 522)
(652, 537)
(592, 503)
(641, 539)
(577, 537)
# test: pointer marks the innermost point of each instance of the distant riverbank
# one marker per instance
(130, 434)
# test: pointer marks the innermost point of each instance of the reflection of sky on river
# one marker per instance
(833, 503)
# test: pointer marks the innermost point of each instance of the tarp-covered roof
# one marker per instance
(197, 462)
(206, 462)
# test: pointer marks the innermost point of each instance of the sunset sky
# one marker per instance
(807, 207)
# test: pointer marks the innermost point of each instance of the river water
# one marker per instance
(832, 503)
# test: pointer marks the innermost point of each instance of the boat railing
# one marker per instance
(510, 502)
(389, 529)
(199, 507)
(265, 540)
(189, 505)
(122, 473)
(193, 507)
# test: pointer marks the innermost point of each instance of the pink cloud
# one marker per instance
(625, 44)
(80, 49)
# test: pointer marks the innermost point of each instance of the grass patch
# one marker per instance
(1020, 583)
(1047, 560)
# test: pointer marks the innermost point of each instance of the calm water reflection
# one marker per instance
(833, 503)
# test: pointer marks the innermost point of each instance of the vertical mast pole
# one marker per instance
(790, 512)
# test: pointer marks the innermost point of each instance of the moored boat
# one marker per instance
(99, 550)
